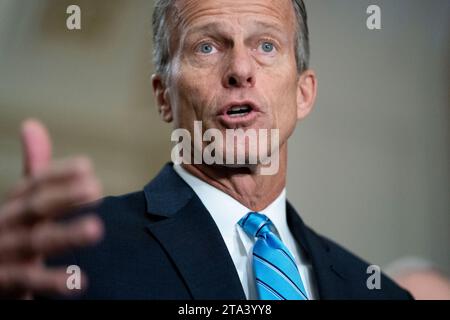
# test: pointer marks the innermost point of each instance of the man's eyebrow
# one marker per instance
(267, 25)
(206, 27)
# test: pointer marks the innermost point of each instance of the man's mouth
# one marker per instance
(239, 113)
(239, 110)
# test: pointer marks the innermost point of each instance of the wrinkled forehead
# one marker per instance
(186, 14)
(189, 10)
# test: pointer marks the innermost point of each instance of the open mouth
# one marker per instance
(239, 111)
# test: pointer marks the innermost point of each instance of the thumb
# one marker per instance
(37, 148)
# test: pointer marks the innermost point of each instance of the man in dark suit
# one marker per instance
(199, 230)
(161, 246)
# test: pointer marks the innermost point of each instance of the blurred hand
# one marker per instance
(28, 230)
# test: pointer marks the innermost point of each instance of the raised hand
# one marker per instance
(28, 230)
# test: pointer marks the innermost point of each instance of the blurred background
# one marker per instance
(370, 168)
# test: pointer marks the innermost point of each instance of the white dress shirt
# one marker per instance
(226, 212)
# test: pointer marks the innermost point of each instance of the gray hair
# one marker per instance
(161, 36)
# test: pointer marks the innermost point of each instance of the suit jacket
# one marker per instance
(162, 243)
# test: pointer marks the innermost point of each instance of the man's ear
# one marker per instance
(162, 98)
(306, 93)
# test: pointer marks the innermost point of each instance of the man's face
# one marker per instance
(233, 65)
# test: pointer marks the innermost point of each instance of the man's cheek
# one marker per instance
(286, 115)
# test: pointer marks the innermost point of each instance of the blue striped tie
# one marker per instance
(274, 268)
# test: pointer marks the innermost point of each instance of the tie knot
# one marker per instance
(255, 224)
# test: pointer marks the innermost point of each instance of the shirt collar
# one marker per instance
(227, 216)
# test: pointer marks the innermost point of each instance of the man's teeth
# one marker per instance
(239, 111)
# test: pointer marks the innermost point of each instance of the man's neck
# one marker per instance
(251, 189)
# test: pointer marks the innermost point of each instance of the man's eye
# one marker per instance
(206, 48)
(267, 47)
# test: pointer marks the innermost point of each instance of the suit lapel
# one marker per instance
(189, 235)
(330, 279)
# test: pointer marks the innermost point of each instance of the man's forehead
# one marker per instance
(187, 11)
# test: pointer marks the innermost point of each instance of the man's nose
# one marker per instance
(239, 69)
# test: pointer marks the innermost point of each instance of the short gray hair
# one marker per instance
(161, 36)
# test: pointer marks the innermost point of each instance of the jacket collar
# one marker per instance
(189, 235)
(331, 278)
(167, 193)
